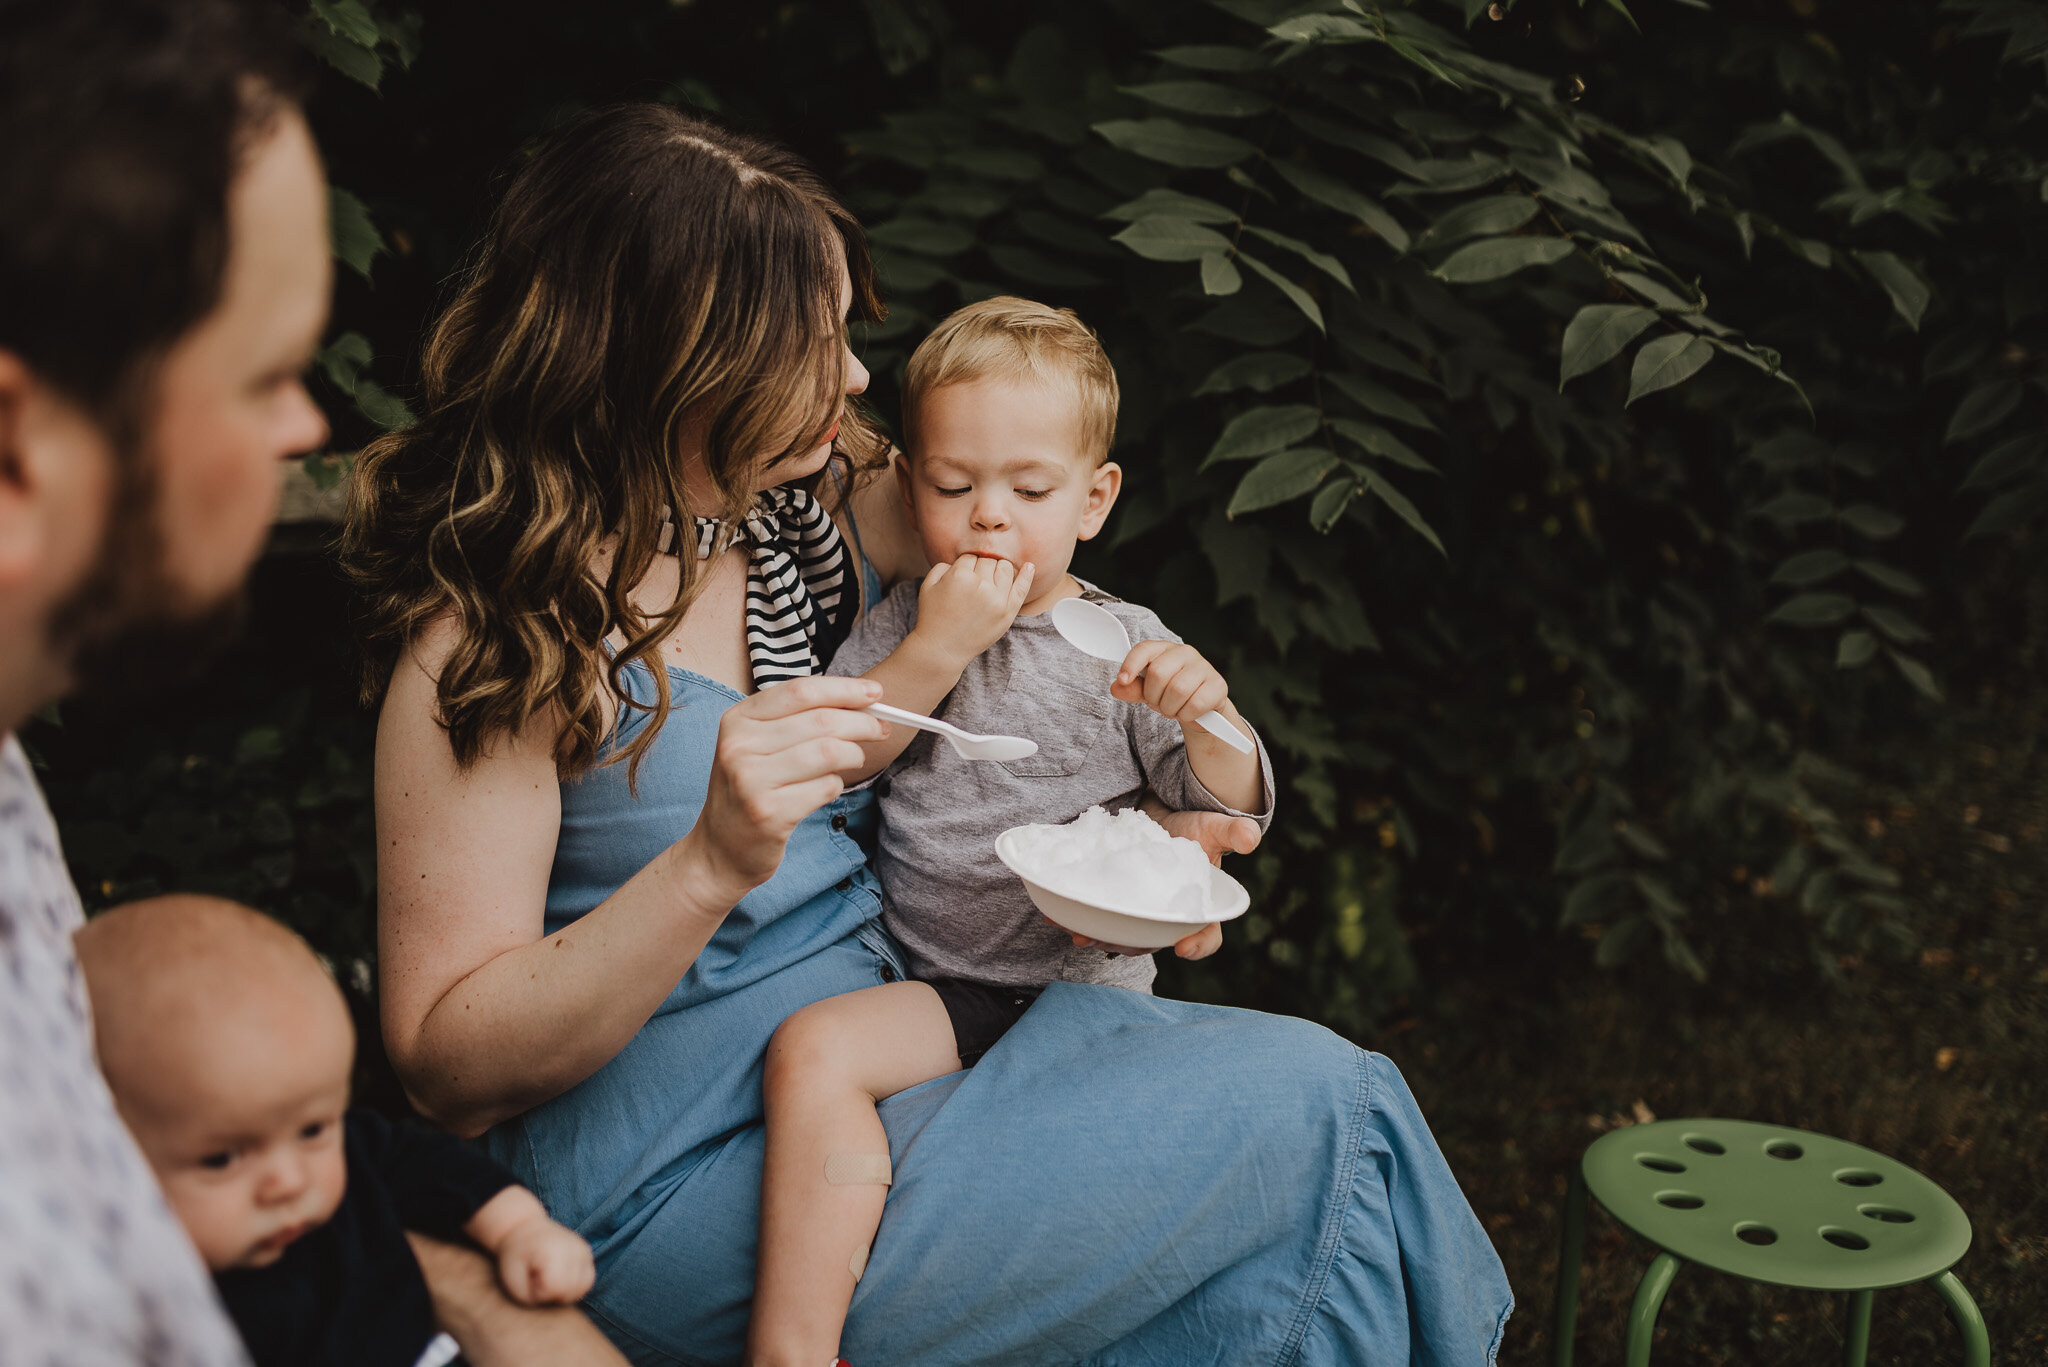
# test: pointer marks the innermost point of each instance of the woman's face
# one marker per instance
(697, 482)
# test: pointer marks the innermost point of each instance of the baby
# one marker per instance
(228, 1048)
(1008, 411)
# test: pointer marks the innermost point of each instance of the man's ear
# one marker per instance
(1102, 492)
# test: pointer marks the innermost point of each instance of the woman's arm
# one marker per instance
(485, 1017)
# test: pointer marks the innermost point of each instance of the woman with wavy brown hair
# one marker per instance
(611, 862)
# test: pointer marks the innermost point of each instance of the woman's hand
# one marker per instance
(1218, 835)
(778, 760)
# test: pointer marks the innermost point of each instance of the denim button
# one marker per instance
(888, 974)
(838, 823)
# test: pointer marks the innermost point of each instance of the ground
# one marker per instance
(1936, 1059)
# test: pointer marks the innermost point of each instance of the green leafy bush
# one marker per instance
(1575, 442)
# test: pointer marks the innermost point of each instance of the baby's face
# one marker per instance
(998, 470)
(247, 1141)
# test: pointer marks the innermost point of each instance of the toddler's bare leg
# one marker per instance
(827, 1067)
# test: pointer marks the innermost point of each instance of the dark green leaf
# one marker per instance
(1670, 153)
(1488, 216)
(351, 59)
(1895, 624)
(1597, 334)
(1917, 674)
(1375, 397)
(1220, 275)
(1200, 97)
(1403, 509)
(1163, 203)
(1260, 370)
(1296, 295)
(1322, 261)
(1497, 257)
(1175, 143)
(1335, 194)
(926, 236)
(1173, 239)
(1331, 502)
(348, 19)
(380, 405)
(1793, 507)
(1375, 440)
(998, 163)
(1258, 431)
(1982, 409)
(1813, 610)
(1279, 478)
(1623, 941)
(1383, 150)
(1908, 291)
(1855, 650)
(1810, 567)
(1201, 57)
(2011, 510)
(356, 240)
(1872, 521)
(1321, 28)
(1897, 580)
(344, 358)
(1592, 898)
(2006, 461)
(1665, 362)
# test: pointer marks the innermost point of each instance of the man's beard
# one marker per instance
(125, 628)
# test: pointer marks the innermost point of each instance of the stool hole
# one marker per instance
(1888, 1214)
(1701, 1144)
(1842, 1238)
(1656, 1164)
(1679, 1200)
(1858, 1177)
(1785, 1149)
(1760, 1235)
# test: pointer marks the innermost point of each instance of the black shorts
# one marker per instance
(980, 1013)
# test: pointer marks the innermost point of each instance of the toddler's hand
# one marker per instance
(965, 607)
(1171, 679)
(543, 1263)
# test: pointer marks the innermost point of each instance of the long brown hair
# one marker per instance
(645, 268)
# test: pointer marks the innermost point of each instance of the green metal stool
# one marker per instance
(1776, 1205)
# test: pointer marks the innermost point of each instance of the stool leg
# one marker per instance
(1976, 1342)
(1859, 1328)
(1642, 1316)
(1570, 1256)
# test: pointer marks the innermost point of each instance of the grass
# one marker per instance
(1940, 1061)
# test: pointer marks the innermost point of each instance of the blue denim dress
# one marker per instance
(1122, 1180)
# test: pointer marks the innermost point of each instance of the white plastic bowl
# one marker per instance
(1123, 925)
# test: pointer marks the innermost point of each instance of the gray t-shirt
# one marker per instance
(94, 1269)
(946, 897)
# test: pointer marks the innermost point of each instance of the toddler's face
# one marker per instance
(998, 470)
(250, 1153)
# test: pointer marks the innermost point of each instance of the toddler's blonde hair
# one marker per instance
(1007, 338)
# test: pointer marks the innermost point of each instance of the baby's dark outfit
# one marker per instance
(350, 1293)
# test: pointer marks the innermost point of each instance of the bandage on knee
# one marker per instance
(859, 1170)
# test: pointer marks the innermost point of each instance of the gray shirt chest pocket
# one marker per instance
(1070, 722)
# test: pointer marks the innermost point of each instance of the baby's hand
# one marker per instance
(543, 1263)
(965, 607)
(1171, 679)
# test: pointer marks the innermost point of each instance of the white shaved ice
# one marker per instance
(1124, 861)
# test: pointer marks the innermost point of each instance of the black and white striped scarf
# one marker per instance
(800, 595)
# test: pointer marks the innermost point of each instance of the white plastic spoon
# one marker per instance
(1096, 631)
(965, 743)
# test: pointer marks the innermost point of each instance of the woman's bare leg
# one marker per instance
(827, 1067)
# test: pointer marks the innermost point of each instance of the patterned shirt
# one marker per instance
(94, 1269)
